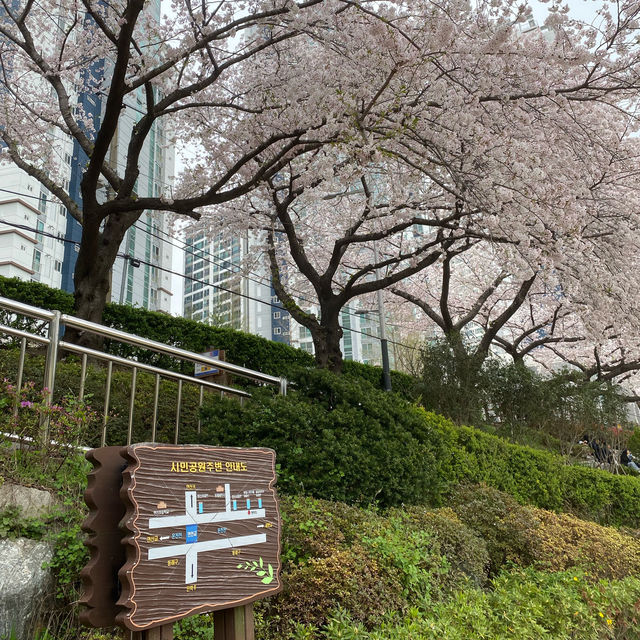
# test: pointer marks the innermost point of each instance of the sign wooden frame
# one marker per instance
(202, 531)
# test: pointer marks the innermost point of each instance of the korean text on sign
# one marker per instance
(211, 467)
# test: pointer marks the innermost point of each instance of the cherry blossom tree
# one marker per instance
(373, 138)
(477, 306)
(468, 133)
(480, 309)
(185, 72)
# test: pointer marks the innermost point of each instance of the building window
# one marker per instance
(276, 315)
(57, 265)
(277, 331)
(42, 202)
(35, 265)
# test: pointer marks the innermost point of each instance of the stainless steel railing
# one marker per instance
(55, 321)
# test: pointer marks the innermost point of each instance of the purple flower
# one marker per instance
(26, 403)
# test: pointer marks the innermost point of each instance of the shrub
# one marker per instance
(527, 536)
(314, 528)
(337, 439)
(562, 541)
(466, 552)
(412, 555)
(350, 578)
(336, 556)
(530, 475)
(500, 521)
(521, 605)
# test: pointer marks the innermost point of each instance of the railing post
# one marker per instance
(107, 398)
(23, 351)
(177, 431)
(50, 373)
(132, 403)
(83, 376)
(156, 396)
(200, 408)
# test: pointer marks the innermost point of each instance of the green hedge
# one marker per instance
(339, 439)
(244, 349)
(342, 439)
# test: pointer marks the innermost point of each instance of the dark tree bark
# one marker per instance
(331, 297)
(92, 277)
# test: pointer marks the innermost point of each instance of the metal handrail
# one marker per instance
(166, 373)
(153, 345)
(128, 338)
(26, 309)
(55, 321)
(18, 333)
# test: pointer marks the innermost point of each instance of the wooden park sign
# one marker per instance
(201, 531)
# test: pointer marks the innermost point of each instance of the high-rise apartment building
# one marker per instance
(39, 240)
(218, 291)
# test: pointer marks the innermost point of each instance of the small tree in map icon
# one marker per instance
(258, 567)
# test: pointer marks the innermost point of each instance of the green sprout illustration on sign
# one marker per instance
(258, 567)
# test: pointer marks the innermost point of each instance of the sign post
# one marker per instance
(234, 624)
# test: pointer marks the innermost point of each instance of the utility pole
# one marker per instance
(124, 276)
(384, 347)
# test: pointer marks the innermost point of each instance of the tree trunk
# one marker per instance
(326, 341)
(92, 277)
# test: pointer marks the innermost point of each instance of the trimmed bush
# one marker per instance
(333, 556)
(339, 438)
(503, 524)
(521, 605)
(464, 549)
(349, 570)
(348, 578)
(562, 541)
(244, 349)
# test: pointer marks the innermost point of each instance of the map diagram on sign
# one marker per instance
(204, 531)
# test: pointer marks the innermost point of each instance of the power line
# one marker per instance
(210, 260)
(244, 295)
(278, 306)
(200, 253)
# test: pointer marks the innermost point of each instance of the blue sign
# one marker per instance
(192, 533)
(202, 369)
